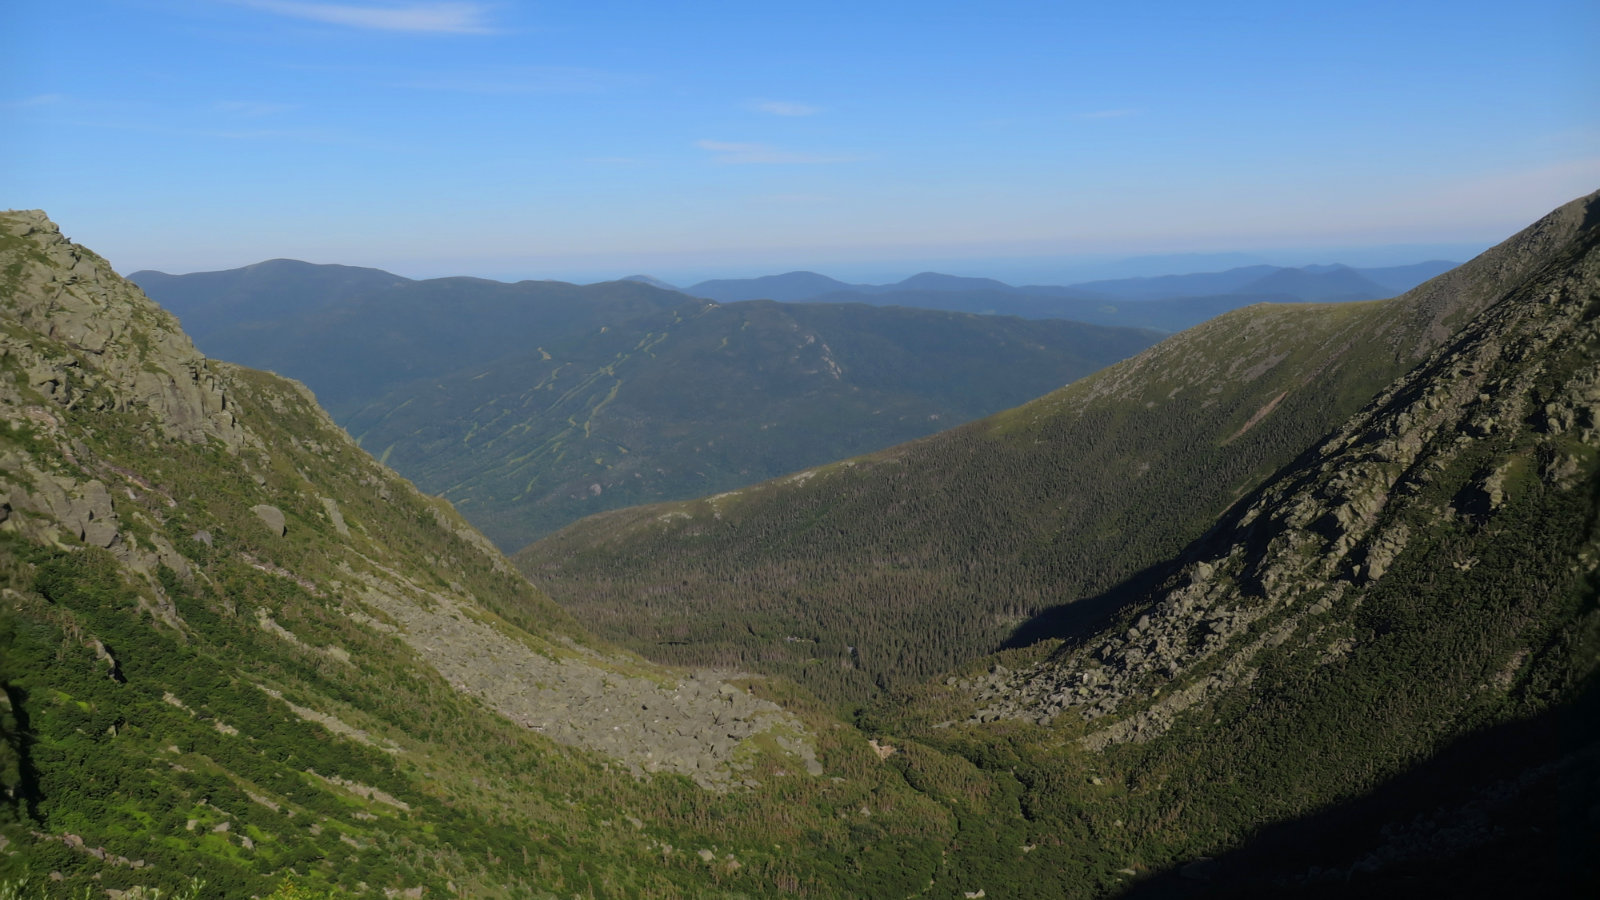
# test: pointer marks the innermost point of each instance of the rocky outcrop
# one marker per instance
(272, 517)
(335, 517)
(1318, 537)
(106, 345)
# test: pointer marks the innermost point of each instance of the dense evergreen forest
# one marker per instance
(888, 569)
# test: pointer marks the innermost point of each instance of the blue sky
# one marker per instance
(867, 140)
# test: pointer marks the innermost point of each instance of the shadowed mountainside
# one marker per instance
(889, 568)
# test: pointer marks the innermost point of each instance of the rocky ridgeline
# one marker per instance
(82, 349)
(76, 336)
(1243, 345)
(108, 345)
(1314, 540)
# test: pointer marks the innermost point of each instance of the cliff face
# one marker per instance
(103, 344)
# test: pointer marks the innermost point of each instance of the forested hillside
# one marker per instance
(707, 398)
(890, 568)
(353, 334)
(531, 405)
(1379, 674)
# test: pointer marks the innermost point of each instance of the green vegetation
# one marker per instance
(892, 568)
(233, 708)
(930, 554)
(215, 664)
(707, 398)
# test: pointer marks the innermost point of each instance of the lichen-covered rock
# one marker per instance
(272, 517)
(110, 347)
(331, 507)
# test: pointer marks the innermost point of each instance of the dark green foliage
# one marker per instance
(706, 398)
(1032, 524)
(927, 555)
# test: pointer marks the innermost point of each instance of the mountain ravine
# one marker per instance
(241, 658)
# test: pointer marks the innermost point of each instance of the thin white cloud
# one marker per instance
(1109, 114)
(425, 18)
(783, 108)
(735, 153)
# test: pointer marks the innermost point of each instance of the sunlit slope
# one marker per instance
(234, 647)
(707, 398)
(892, 567)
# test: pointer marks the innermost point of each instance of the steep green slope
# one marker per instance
(1406, 623)
(235, 647)
(708, 398)
(889, 568)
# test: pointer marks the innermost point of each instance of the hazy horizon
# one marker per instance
(1015, 271)
(597, 140)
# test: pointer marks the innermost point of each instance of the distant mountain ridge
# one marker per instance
(533, 404)
(1168, 302)
(207, 301)
(353, 334)
(803, 285)
(709, 397)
